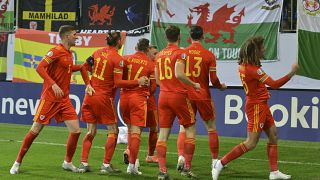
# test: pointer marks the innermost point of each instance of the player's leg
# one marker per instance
(272, 148)
(134, 149)
(25, 145)
(189, 148)
(109, 149)
(152, 123)
(180, 147)
(72, 142)
(207, 113)
(86, 146)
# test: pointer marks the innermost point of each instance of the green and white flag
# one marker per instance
(226, 23)
(309, 38)
(6, 15)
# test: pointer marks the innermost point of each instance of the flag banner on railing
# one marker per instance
(32, 45)
(309, 38)
(102, 16)
(226, 24)
(47, 15)
(6, 15)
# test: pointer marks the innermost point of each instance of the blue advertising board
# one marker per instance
(296, 112)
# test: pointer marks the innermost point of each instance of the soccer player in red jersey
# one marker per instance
(200, 65)
(55, 68)
(133, 101)
(152, 118)
(152, 114)
(98, 106)
(174, 102)
(254, 81)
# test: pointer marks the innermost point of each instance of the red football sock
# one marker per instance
(109, 147)
(189, 147)
(129, 139)
(180, 143)
(272, 150)
(153, 138)
(213, 143)
(26, 143)
(134, 147)
(162, 155)
(86, 146)
(71, 146)
(236, 152)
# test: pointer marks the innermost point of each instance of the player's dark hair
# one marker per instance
(65, 29)
(143, 45)
(251, 51)
(196, 33)
(172, 33)
(113, 38)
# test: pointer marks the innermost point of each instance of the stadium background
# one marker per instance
(295, 106)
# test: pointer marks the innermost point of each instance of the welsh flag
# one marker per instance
(309, 38)
(227, 24)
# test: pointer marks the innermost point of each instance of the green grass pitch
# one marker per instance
(44, 159)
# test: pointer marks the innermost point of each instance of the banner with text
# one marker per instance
(47, 15)
(296, 113)
(32, 45)
(102, 16)
(6, 15)
(226, 24)
(309, 38)
(3, 55)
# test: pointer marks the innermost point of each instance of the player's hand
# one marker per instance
(143, 81)
(89, 90)
(223, 87)
(197, 86)
(57, 90)
(294, 69)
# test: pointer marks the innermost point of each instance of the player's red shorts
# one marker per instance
(133, 108)
(98, 109)
(206, 109)
(152, 114)
(175, 104)
(259, 116)
(61, 111)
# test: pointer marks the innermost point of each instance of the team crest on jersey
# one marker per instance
(261, 125)
(42, 117)
(260, 71)
(184, 56)
(121, 64)
(50, 53)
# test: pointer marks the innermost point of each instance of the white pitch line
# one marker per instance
(171, 153)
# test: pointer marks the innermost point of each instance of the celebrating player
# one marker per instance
(133, 101)
(200, 65)
(257, 109)
(55, 69)
(173, 101)
(98, 106)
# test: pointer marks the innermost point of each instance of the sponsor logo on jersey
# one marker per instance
(42, 117)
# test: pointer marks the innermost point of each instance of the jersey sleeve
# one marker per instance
(213, 71)
(260, 75)
(181, 56)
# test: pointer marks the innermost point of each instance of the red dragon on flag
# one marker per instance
(220, 21)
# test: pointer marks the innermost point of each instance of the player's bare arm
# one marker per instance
(180, 74)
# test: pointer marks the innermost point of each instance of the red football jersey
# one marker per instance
(59, 71)
(253, 79)
(136, 66)
(199, 63)
(107, 61)
(165, 64)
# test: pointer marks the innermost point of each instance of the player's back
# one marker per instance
(106, 61)
(135, 66)
(198, 64)
(252, 78)
(165, 62)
